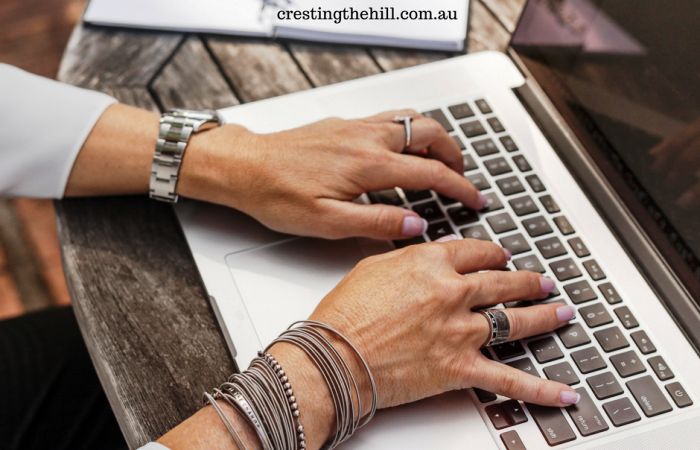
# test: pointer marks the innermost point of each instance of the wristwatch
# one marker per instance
(176, 128)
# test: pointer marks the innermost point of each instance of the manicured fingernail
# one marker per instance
(508, 254)
(569, 397)
(414, 226)
(565, 313)
(483, 201)
(448, 238)
(547, 285)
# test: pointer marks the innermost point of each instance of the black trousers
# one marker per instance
(50, 397)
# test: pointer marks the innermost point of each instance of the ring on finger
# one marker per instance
(407, 122)
(499, 326)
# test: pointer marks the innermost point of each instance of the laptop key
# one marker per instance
(521, 163)
(416, 196)
(573, 335)
(497, 166)
(611, 339)
(535, 183)
(430, 211)
(510, 186)
(580, 292)
(512, 440)
(627, 364)
(461, 111)
(562, 372)
(476, 232)
(588, 360)
(469, 163)
(679, 395)
(483, 106)
(458, 141)
(473, 129)
(595, 315)
(545, 350)
(549, 204)
(551, 247)
(604, 385)
(610, 293)
(508, 143)
(594, 270)
(479, 181)
(484, 147)
(564, 226)
(441, 118)
(497, 416)
(565, 269)
(439, 230)
(387, 197)
(626, 317)
(643, 342)
(529, 263)
(579, 247)
(552, 424)
(537, 226)
(508, 350)
(485, 396)
(523, 206)
(462, 216)
(501, 223)
(496, 125)
(526, 365)
(648, 396)
(586, 415)
(514, 412)
(621, 412)
(493, 203)
(406, 242)
(660, 368)
(516, 244)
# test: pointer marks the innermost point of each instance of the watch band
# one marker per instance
(176, 128)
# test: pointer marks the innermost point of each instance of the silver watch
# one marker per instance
(176, 128)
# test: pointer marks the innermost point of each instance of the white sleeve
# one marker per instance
(43, 124)
(153, 446)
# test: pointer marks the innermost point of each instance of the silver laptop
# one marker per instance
(559, 136)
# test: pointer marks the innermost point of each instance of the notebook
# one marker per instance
(293, 20)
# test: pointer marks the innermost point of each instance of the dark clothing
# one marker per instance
(50, 397)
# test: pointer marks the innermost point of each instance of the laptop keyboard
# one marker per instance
(605, 355)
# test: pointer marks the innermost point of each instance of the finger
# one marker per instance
(529, 321)
(415, 173)
(491, 288)
(472, 255)
(373, 221)
(516, 384)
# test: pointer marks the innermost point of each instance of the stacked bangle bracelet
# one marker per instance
(264, 396)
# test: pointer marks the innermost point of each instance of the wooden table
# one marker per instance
(142, 309)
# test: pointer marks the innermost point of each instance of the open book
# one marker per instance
(432, 25)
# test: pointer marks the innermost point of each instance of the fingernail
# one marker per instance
(569, 397)
(448, 238)
(508, 254)
(547, 285)
(566, 313)
(483, 201)
(414, 226)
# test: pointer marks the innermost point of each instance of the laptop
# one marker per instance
(584, 137)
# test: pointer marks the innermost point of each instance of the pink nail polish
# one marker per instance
(566, 313)
(508, 254)
(547, 285)
(569, 397)
(448, 238)
(483, 201)
(413, 226)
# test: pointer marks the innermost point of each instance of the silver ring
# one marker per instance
(407, 122)
(499, 326)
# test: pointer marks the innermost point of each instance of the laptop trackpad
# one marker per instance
(283, 282)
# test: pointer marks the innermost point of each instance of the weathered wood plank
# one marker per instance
(258, 69)
(192, 80)
(109, 57)
(392, 59)
(324, 64)
(507, 12)
(152, 335)
(485, 32)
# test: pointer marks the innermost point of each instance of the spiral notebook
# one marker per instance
(263, 19)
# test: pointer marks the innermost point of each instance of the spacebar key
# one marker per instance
(552, 424)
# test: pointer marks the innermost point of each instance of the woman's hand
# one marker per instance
(303, 181)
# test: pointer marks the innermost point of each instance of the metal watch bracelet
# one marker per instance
(176, 128)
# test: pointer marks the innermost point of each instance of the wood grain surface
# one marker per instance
(142, 309)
